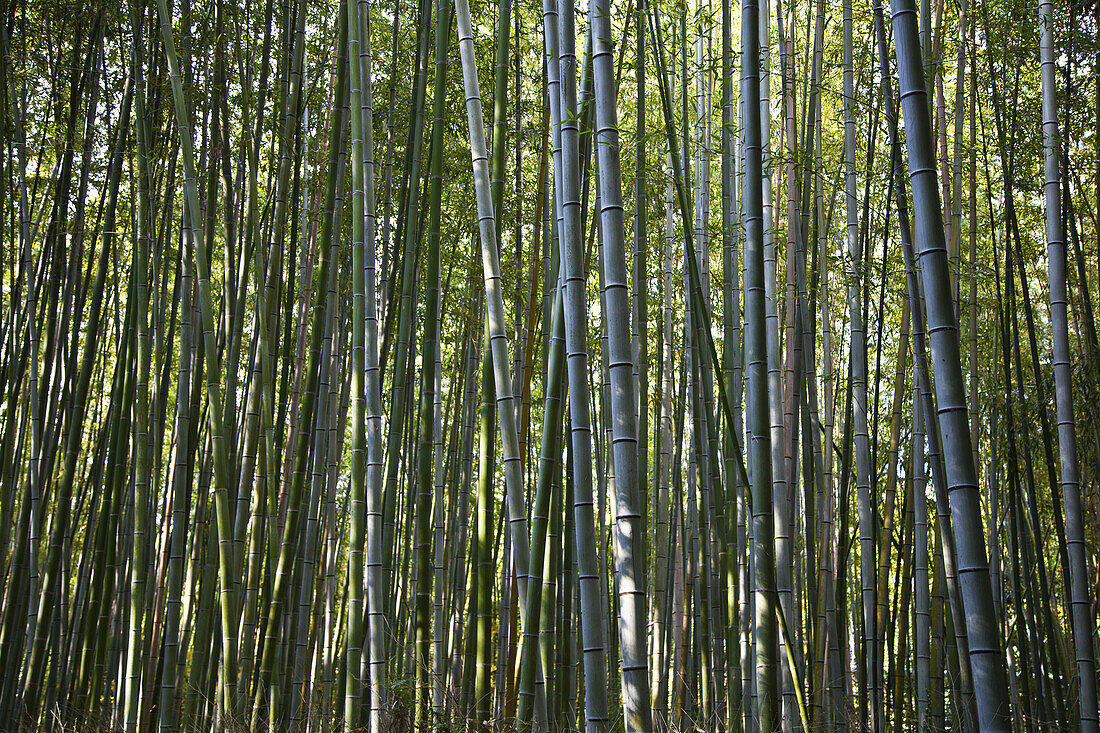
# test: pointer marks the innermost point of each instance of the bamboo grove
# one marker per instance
(642, 365)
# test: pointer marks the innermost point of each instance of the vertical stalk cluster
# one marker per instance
(307, 429)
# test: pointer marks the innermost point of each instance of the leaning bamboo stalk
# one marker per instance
(568, 171)
(138, 568)
(731, 367)
(1082, 620)
(213, 371)
(358, 487)
(425, 701)
(629, 531)
(513, 470)
(760, 454)
(858, 357)
(373, 404)
(946, 552)
(285, 559)
(986, 656)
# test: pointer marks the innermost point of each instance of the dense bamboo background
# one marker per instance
(638, 364)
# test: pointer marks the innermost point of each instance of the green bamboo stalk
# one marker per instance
(213, 371)
(630, 554)
(756, 361)
(426, 430)
(1083, 624)
(568, 171)
(506, 413)
(986, 656)
(358, 489)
